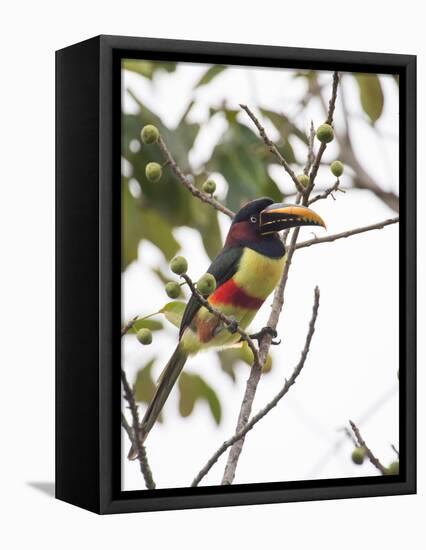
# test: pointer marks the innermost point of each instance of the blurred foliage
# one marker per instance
(150, 324)
(371, 95)
(148, 68)
(144, 386)
(151, 211)
(211, 73)
(230, 357)
(193, 388)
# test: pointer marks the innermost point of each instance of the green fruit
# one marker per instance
(149, 134)
(179, 265)
(153, 171)
(209, 187)
(172, 289)
(304, 180)
(358, 455)
(337, 168)
(393, 469)
(325, 133)
(206, 284)
(144, 335)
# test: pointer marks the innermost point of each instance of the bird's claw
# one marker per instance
(266, 330)
(233, 326)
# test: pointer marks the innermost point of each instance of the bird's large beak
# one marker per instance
(279, 216)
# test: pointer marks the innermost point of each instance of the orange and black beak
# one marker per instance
(279, 216)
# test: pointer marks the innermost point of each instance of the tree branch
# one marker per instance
(188, 184)
(133, 432)
(323, 146)
(362, 180)
(346, 234)
(263, 412)
(325, 194)
(278, 301)
(129, 325)
(135, 440)
(375, 461)
(273, 148)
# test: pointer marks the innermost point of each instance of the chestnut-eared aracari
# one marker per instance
(247, 270)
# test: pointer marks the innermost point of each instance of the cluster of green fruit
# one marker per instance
(359, 454)
(153, 170)
(324, 134)
(149, 135)
(206, 285)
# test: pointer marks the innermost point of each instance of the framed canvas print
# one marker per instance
(235, 274)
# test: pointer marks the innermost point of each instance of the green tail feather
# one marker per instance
(166, 382)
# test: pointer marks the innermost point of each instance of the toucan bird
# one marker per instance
(247, 270)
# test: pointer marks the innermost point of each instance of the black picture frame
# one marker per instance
(88, 314)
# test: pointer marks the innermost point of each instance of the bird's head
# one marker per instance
(262, 218)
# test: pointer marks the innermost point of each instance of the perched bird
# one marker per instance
(247, 270)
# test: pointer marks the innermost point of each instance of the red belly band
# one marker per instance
(231, 294)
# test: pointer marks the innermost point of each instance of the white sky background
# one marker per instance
(351, 371)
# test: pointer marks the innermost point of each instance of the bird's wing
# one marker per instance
(223, 267)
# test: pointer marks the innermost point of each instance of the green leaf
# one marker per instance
(239, 157)
(210, 74)
(284, 126)
(173, 312)
(192, 388)
(150, 324)
(176, 208)
(148, 68)
(141, 222)
(371, 95)
(229, 359)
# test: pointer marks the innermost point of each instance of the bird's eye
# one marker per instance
(253, 219)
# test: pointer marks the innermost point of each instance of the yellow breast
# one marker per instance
(258, 275)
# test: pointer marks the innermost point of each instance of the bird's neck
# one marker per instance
(245, 234)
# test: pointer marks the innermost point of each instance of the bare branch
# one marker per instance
(129, 325)
(329, 120)
(325, 194)
(278, 301)
(135, 439)
(346, 234)
(272, 147)
(263, 412)
(230, 323)
(188, 184)
(310, 157)
(362, 180)
(375, 461)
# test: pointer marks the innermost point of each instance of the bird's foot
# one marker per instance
(233, 326)
(266, 330)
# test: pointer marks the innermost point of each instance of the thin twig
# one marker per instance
(127, 427)
(189, 185)
(329, 120)
(375, 461)
(395, 450)
(263, 412)
(136, 440)
(272, 147)
(129, 325)
(325, 194)
(133, 432)
(362, 179)
(310, 157)
(346, 234)
(230, 323)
